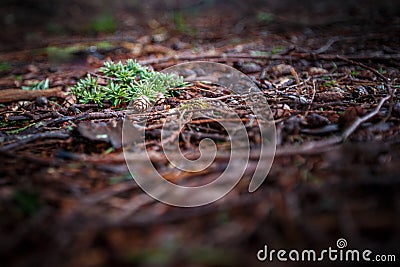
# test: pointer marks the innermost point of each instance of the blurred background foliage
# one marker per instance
(29, 23)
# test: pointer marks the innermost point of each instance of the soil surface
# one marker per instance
(329, 71)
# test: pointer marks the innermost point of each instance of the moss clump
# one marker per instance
(124, 83)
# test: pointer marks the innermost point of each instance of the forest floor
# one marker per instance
(68, 199)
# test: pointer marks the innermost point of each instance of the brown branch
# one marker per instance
(32, 137)
(10, 95)
(318, 146)
(242, 56)
(324, 48)
(358, 121)
(202, 121)
(100, 115)
(391, 104)
(377, 73)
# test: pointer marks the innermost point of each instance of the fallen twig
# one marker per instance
(101, 115)
(377, 73)
(228, 56)
(324, 144)
(10, 95)
(62, 134)
(324, 48)
(312, 98)
(358, 121)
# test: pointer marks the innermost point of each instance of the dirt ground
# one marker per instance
(328, 69)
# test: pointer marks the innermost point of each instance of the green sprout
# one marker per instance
(125, 82)
(42, 85)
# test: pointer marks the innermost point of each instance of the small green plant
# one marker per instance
(125, 82)
(5, 66)
(62, 54)
(265, 17)
(104, 45)
(104, 23)
(276, 50)
(18, 130)
(42, 85)
(330, 83)
(354, 73)
(181, 25)
(259, 53)
(67, 53)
